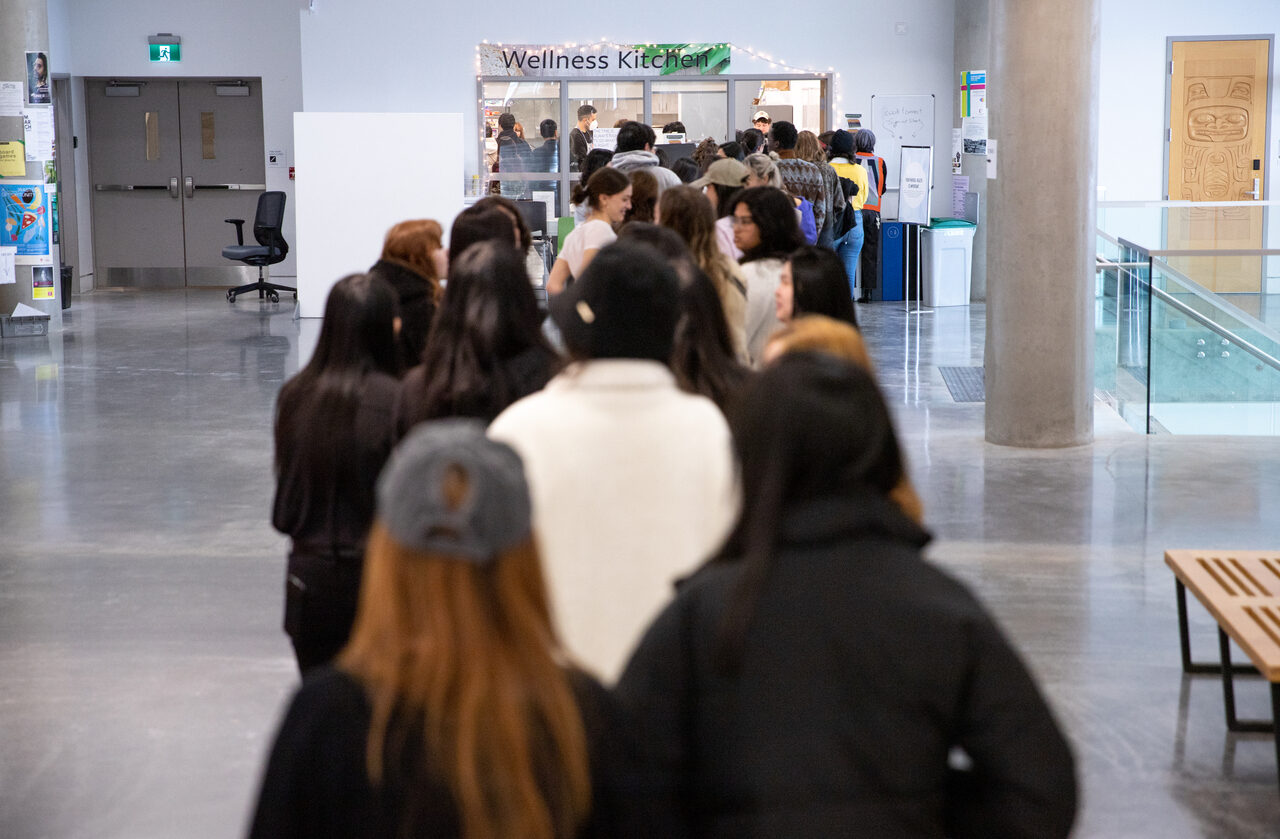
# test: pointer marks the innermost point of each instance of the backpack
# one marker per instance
(846, 216)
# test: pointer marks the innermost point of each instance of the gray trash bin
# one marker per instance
(946, 251)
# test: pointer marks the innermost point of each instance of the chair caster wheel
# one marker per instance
(273, 297)
(231, 297)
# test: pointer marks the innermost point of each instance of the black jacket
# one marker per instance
(416, 293)
(328, 508)
(316, 784)
(862, 669)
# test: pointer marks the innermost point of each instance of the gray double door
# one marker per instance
(169, 161)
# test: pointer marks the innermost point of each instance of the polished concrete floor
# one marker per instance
(142, 667)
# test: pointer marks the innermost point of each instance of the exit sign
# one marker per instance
(166, 52)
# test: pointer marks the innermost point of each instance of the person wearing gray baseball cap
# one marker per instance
(452, 711)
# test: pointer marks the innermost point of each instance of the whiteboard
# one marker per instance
(360, 173)
(900, 120)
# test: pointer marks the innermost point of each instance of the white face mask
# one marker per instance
(595, 123)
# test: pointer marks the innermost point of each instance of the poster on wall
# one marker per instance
(27, 226)
(975, 135)
(38, 79)
(37, 126)
(602, 59)
(914, 183)
(11, 99)
(973, 93)
(42, 283)
(957, 150)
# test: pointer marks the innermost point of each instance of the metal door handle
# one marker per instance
(231, 186)
(1257, 188)
(173, 187)
(189, 185)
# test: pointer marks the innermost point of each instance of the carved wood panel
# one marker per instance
(1217, 152)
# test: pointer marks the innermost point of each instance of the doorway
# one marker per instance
(169, 160)
(1217, 152)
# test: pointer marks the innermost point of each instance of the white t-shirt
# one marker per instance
(591, 236)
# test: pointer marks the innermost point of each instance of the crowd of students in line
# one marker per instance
(649, 565)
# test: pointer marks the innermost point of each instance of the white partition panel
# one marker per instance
(358, 174)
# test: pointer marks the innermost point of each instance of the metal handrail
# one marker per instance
(1168, 299)
(1165, 297)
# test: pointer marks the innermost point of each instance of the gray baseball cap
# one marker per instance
(493, 512)
(724, 172)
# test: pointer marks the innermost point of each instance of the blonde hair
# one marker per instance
(763, 166)
(818, 333)
(468, 650)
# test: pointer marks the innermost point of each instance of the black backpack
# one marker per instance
(846, 216)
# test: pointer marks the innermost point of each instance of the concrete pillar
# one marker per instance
(1042, 92)
(973, 52)
(25, 28)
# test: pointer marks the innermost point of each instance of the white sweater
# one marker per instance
(633, 487)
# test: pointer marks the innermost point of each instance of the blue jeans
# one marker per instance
(849, 249)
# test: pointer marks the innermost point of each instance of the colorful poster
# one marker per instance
(26, 222)
(973, 93)
(42, 283)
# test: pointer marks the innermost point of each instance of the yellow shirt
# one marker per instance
(856, 173)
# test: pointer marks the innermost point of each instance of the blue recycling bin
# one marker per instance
(893, 236)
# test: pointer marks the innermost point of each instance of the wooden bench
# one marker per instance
(1241, 589)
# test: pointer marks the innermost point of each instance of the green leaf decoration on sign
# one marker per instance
(716, 55)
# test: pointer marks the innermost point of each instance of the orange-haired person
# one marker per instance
(452, 711)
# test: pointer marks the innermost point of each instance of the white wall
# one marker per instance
(228, 38)
(340, 230)
(1133, 86)
(400, 55)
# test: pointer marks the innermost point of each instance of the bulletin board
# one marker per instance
(900, 120)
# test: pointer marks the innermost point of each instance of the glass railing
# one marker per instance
(1187, 337)
(1121, 313)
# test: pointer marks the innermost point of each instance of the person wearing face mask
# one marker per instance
(580, 137)
(608, 193)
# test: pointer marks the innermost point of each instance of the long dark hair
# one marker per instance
(479, 224)
(809, 426)
(820, 285)
(513, 212)
(595, 159)
(487, 316)
(774, 215)
(316, 409)
(702, 356)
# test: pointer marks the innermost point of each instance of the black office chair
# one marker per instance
(271, 247)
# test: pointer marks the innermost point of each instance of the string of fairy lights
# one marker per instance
(774, 63)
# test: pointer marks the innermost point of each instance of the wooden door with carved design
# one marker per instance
(1217, 152)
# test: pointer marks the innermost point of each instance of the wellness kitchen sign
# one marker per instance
(603, 59)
